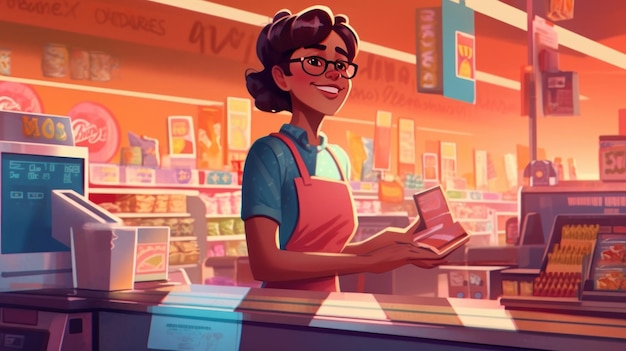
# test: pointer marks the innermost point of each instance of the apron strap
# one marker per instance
(339, 168)
(304, 172)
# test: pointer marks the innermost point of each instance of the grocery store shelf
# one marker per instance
(189, 265)
(151, 215)
(183, 238)
(483, 201)
(480, 233)
(143, 190)
(226, 237)
(223, 215)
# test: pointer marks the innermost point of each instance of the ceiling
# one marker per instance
(394, 26)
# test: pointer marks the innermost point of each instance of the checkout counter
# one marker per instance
(48, 304)
(200, 317)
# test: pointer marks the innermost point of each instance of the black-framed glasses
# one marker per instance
(316, 66)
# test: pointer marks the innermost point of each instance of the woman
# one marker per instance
(294, 182)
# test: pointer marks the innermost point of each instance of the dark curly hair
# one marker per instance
(277, 42)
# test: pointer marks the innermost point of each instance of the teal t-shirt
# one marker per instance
(268, 189)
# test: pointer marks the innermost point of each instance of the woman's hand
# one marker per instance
(399, 254)
(385, 237)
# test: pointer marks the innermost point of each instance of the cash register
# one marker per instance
(43, 198)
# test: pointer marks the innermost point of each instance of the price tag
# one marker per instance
(475, 195)
(183, 176)
(104, 174)
(455, 194)
(140, 176)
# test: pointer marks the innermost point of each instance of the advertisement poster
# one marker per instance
(458, 51)
(19, 97)
(181, 137)
(465, 58)
(212, 147)
(239, 114)
(448, 161)
(430, 167)
(95, 127)
(429, 51)
(480, 169)
(382, 141)
(406, 141)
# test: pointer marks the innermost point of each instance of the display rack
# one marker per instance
(586, 253)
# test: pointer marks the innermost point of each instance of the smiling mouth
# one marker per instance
(328, 89)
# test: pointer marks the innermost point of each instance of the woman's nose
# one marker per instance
(333, 74)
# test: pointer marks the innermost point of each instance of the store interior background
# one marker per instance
(171, 65)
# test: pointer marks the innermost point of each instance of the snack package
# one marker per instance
(161, 203)
(239, 226)
(224, 205)
(186, 226)
(212, 228)
(177, 204)
(227, 226)
(610, 279)
(141, 203)
(210, 202)
(149, 149)
(173, 223)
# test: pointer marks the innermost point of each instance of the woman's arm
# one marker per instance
(269, 263)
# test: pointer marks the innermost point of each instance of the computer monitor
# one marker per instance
(30, 257)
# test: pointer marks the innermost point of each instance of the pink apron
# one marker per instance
(326, 221)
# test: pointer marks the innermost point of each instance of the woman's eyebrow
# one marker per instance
(341, 51)
(316, 46)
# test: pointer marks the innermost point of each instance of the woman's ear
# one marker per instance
(279, 78)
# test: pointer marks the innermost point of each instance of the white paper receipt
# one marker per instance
(191, 334)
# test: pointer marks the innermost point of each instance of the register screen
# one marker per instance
(26, 185)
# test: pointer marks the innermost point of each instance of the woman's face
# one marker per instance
(325, 93)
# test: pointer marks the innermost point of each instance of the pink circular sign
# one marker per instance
(95, 127)
(19, 97)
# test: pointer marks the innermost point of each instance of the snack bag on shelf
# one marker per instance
(212, 228)
(152, 222)
(239, 226)
(174, 224)
(210, 202)
(227, 226)
(177, 203)
(235, 202)
(161, 203)
(224, 205)
(186, 226)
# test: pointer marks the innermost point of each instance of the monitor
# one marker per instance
(548, 202)
(30, 257)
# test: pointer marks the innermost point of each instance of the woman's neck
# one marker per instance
(309, 120)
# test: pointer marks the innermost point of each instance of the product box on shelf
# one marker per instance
(218, 177)
(475, 282)
(105, 174)
(612, 157)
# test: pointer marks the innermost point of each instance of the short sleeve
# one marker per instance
(260, 189)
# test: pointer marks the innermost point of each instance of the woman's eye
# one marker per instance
(314, 61)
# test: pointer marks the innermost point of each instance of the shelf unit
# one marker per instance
(195, 209)
(235, 237)
(152, 215)
(222, 215)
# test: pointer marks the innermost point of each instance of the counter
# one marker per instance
(229, 318)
